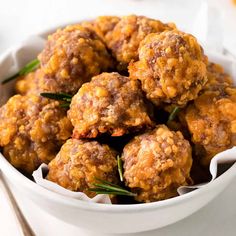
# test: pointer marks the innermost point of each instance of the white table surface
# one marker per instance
(18, 19)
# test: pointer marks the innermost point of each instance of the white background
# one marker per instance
(20, 18)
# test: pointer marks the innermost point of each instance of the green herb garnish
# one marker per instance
(65, 105)
(120, 168)
(59, 97)
(173, 114)
(31, 66)
(105, 187)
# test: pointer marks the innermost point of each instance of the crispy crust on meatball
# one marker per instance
(211, 120)
(102, 25)
(32, 129)
(217, 79)
(79, 163)
(71, 57)
(30, 83)
(171, 67)
(156, 164)
(127, 34)
(111, 104)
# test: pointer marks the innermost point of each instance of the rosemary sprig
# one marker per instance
(31, 66)
(65, 105)
(173, 114)
(59, 97)
(120, 168)
(105, 187)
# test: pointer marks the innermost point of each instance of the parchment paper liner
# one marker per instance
(40, 180)
(217, 166)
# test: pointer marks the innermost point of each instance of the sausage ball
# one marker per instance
(217, 79)
(211, 120)
(30, 83)
(171, 67)
(127, 34)
(156, 163)
(79, 163)
(32, 129)
(102, 25)
(71, 57)
(111, 104)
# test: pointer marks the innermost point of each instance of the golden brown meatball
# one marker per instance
(217, 79)
(102, 25)
(32, 129)
(30, 83)
(211, 120)
(79, 163)
(71, 57)
(156, 164)
(111, 104)
(171, 67)
(127, 34)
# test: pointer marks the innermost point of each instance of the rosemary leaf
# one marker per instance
(105, 187)
(58, 96)
(65, 105)
(120, 168)
(106, 182)
(100, 191)
(173, 114)
(110, 188)
(31, 66)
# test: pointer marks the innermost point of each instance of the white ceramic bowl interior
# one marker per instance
(109, 218)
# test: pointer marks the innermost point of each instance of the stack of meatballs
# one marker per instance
(126, 75)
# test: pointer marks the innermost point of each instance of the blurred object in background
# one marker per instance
(208, 27)
(51, 13)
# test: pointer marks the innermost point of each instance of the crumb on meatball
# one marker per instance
(30, 83)
(127, 34)
(102, 25)
(79, 163)
(71, 57)
(217, 78)
(156, 163)
(171, 67)
(111, 104)
(32, 129)
(211, 120)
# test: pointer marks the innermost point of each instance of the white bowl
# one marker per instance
(111, 218)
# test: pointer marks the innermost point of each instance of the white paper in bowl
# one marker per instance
(217, 164)
(40, 180)
(17, 57)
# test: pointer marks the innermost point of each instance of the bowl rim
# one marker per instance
(10, 171)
